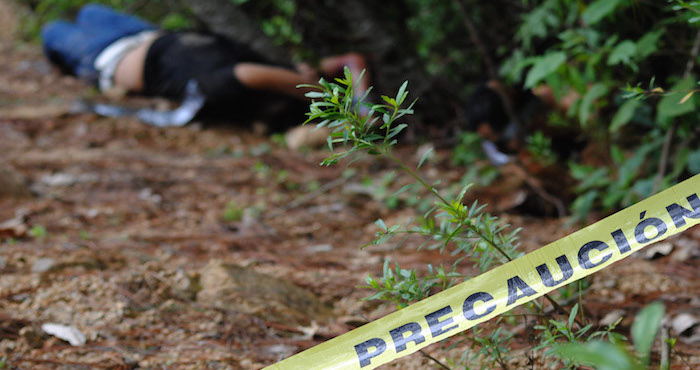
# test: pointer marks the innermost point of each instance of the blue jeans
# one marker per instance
(74, 46)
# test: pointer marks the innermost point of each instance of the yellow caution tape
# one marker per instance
(499, 290)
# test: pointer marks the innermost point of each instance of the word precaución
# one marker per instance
(442, 320)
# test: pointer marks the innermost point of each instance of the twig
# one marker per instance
(59, 362)
(306, 198)
(665, 347)
(664, 158)
(669, 134)
(490, 67)
(434, 359)
(693, 55)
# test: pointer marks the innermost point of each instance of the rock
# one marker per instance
(425, 150)
(148, 195)
(13, 184)
(66, 179)
(68, 333)
(43, 264)
(658, 250)
(14, 228)
(31, 336)
(306, 136)
(319, 248)
(611, 317)
(683, 322)
(686, 249)
(236, 288)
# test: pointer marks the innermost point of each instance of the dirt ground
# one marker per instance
(217, 247)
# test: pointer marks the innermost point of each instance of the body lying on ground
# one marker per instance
(119, 51)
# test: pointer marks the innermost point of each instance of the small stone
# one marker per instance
(31, 336)
(611, 317)
(319, 248)
(68, 333)
(59, 179)
(306, 136)
(683, 322)
(423, 150)
(658, 250)
(686, 249)
(43, 264)
(148, 195)
(278, 350)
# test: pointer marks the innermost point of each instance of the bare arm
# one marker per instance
(275, 79)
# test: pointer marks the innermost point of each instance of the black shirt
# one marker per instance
(175, 58)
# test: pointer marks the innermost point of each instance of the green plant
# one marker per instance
(167, 15)
(612, 355)
(402, 286)
(553, 333)
(540, 147)
(38, 231)
(592, 51)
(466, 231)
(85, 235)
(468, 149)
(494, 349)
(232, 212)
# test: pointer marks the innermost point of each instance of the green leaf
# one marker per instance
(670, 105)
(601, 355)
(694, 162)
(401, 94)
(598, 10)
(617, 155)
(623, 53)
(381, 224)
(403, 189)
(624, 114)
(645, 327)
(646, 45)
(572, 315)
(543, 67)
(425, 156)
(596, 91)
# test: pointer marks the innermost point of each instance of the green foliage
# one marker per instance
(404, 287)
(540, 146)
(644, 329)
(468, 150)
(160, 13)
(553, 333)
(176, 21)
(449, 225)
(232, 212)
(38, 231)
(613, 356)
(596, 49)
(466, 231)
(339, 109)
(494, 349)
